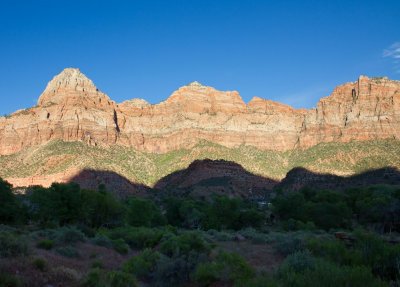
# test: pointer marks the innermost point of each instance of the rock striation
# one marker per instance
(71, 108)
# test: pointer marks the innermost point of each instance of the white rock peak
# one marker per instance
(70, 80)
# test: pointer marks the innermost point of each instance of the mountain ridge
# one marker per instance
(72, 108)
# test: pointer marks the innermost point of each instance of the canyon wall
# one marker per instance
(71, 108)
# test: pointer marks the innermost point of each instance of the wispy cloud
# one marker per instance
(393, 52)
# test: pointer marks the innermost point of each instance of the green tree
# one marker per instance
(10, 209)
(143, 212)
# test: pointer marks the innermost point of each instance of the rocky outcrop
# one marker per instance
(363, 110)
(72, 109)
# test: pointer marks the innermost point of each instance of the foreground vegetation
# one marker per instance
(73, 237)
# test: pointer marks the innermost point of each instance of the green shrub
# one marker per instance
(69, 235)
(183, 244)
(227, 267)
(95, 278)
(121, 279)
(172, 271)
(102, 240)
(137, 237)
(299, 261)
(176, 270)
(255, 236)
(260, 281)
(8, 280)
(68, 251)
(220, 235)
(143, 264)
(288, 244)
(64, 273)
(331, 249)
(120, 246)
(329, 274)
(97, 264)
(10, 208)
(12, 245)
(40, 264)
(46, 244)
(99, 278)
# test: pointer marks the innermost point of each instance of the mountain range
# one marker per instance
(75, 126)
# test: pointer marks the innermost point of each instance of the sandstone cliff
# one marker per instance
(72, 109)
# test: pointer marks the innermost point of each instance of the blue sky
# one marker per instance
(289, 51)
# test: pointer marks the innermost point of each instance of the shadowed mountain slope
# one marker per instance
(299, 178)
(115, 183)
(203, 177)
(58, 161)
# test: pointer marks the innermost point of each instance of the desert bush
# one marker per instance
(137, 237)
(254, 235)
(12, 245)
(227, 267)
(8, 280)
(220, 235)
(293, 225)
(46, 244)
(102, 240)
(325, 273)
(330, 249)
(68, 251)
(120, 246)
(372, 251)
(260, 281)
(97, 264)
(299, 261)
(143, 264)
(40, 264)
(64, 273)
(68, 235)
(120, 279)
(99, 278)
(95, 278)
(176, 270)
(288, 244)
(183, 244)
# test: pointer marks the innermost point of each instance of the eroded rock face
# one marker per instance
(72, 109)
(363, 110)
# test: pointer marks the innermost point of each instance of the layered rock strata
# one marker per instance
(72, 109)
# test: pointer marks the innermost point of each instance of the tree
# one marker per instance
(142, 212)
(9, 206)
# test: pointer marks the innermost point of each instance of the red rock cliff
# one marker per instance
(72, 109)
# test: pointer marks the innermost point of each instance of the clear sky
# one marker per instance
(289, 51)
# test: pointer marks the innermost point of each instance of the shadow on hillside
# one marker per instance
(114, 182)
(300, 177)
(203, 177)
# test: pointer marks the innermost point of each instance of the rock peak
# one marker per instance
(70, 81)
(195, 84)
